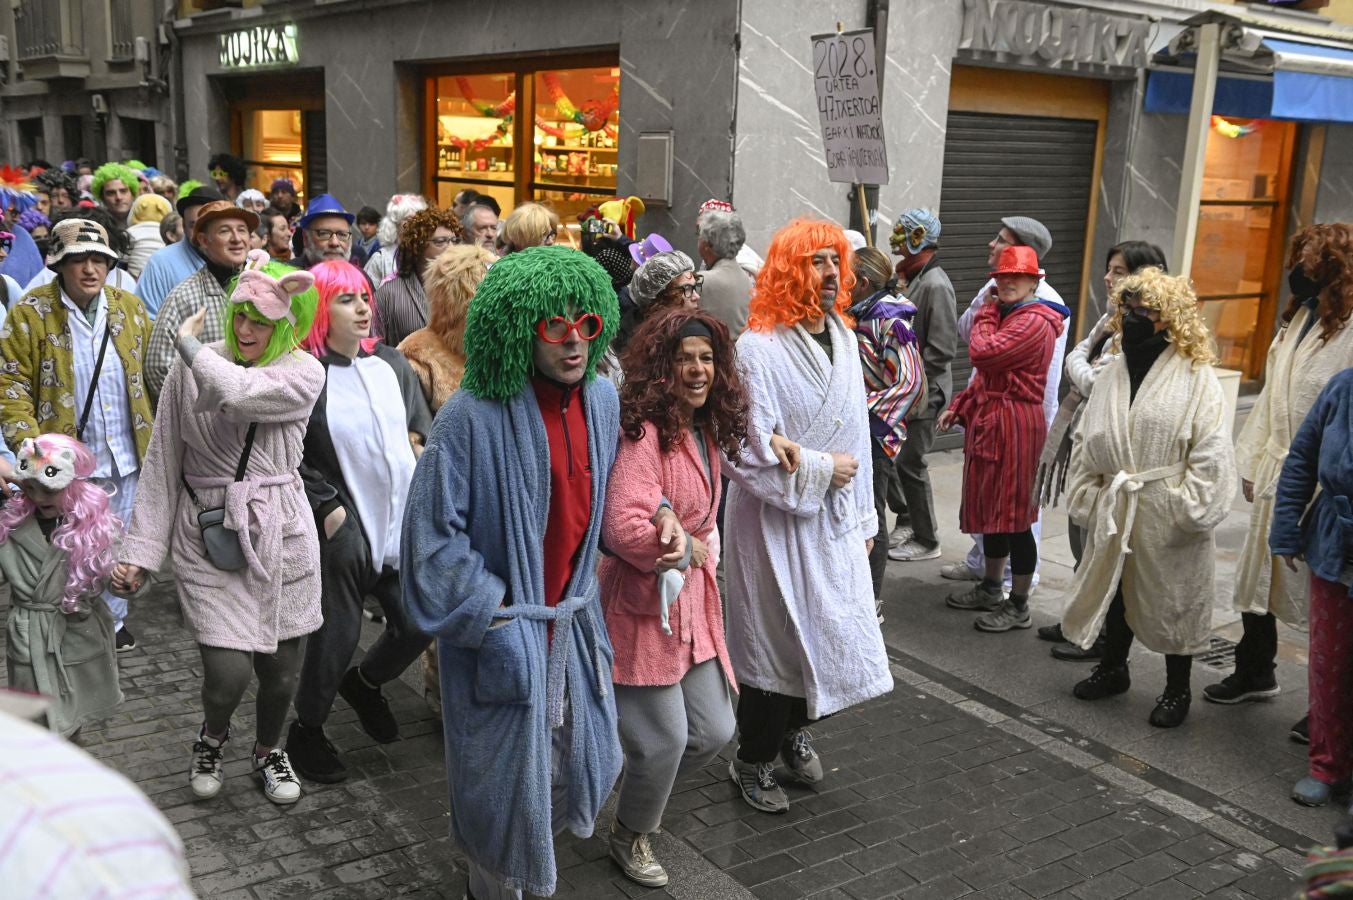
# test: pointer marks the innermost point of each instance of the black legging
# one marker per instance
(1020, 546)
(1118, 641)
(226, 675)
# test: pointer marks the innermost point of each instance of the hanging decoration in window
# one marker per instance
(1235, 130)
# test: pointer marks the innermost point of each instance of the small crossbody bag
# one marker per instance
(222, 543)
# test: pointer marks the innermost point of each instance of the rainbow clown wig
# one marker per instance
(112, 171)
(787, 289)
(87, 531)
(285, 336)
(520, 290)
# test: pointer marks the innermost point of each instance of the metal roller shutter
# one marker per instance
(996, 166)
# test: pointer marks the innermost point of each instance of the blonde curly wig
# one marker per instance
(1173, 297)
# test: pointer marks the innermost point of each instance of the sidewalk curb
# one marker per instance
(1247, 830)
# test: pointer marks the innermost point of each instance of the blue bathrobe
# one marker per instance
(473, 534)
(1320, 456)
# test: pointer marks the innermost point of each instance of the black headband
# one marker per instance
(695, 328)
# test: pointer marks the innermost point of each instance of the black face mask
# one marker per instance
(1302, 285)
(1137, 327)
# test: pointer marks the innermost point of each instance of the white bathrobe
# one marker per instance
(800, 603)
(1294, 374)
(1150, 482)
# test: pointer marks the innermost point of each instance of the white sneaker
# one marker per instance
(959, 572)
(914, 550)
(900, 535)
(206, 772)
(280, 784)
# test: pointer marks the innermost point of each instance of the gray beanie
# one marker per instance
(653, 277)
(1031, 233)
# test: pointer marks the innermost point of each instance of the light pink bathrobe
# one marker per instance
(200, 425)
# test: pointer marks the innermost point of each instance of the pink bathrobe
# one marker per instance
(641, 477)
(200, 425)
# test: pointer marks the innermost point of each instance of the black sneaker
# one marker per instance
(1068, 652)
(1104, 681)
(1301, 732)
(313, 755)
(801, 760)
(759, 788)
(1172, 707)
(1051, 633)
(125, 640)
(1239, 687)
(372, 709)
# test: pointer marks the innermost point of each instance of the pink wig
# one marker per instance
(88, 529)
(331, 279)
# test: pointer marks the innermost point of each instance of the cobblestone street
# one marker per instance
(936, 791)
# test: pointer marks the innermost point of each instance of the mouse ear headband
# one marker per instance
(270, 296)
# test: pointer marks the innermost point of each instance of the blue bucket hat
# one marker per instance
(916, 229)
(324, 205)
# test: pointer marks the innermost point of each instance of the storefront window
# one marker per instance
(474, 137)
(1237, 258)
(271, 140)
(577, 132)
(568, 157)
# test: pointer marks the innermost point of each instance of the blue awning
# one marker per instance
(1309, 83)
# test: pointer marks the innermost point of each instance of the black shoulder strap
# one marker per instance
(93, 382)
(248, 448)
(239, 469)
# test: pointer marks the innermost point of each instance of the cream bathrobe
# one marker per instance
(1150, 482)
(1295, 373)
(800, 599)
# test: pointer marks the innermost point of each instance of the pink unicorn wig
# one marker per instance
(333, 278)
(88, 532)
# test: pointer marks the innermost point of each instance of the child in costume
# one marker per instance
(57, 550)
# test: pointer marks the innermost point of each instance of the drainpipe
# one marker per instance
(1195, 150)
(177, 109)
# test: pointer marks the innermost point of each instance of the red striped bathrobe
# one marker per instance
(1001, 412)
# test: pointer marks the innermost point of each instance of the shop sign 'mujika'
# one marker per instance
(1064, 37)
(262, 45)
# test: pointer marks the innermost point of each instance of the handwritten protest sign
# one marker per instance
(845, 78)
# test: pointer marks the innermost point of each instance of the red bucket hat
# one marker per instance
(1019, 260)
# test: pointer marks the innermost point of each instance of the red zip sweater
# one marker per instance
(561, 408)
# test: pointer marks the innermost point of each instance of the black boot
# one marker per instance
(313, 755)
(1104, 681)
(1172, 707)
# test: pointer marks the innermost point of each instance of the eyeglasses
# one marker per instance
(556, 329)
(326, 234)
(689, 290)
(441, 241)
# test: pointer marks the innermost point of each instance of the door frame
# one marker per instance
(1017, 92)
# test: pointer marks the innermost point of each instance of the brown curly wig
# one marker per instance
(415, 233)
(1325, 253)
(648, 397)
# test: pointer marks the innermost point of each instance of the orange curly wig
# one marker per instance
(787, 289)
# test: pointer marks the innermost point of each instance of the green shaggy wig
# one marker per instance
(518, 291)
(285, 336)
(187, 187)
(114, 172)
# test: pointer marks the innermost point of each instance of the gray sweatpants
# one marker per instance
(668, 732)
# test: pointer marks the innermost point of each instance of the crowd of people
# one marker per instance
(627, 506)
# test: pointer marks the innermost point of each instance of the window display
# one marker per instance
(1237, 257)
(568, 157)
